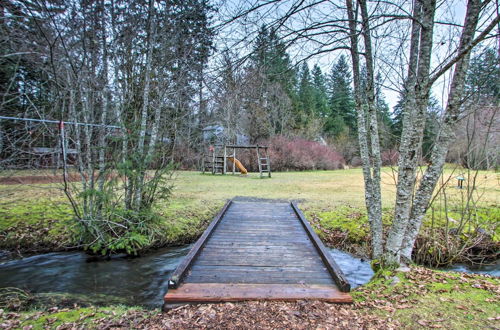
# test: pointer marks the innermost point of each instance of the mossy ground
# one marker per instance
(38, 217)
(86, 317)
(424, 298)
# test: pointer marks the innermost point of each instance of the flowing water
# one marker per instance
(358, 271)
(133, 281)
(493, 270)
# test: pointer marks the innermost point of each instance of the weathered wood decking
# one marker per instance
(254, 251)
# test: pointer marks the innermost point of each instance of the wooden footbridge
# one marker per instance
(257, 251)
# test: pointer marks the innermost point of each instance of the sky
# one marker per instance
(238, 36)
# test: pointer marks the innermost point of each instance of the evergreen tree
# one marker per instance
(431, 126)
(342, 114)
(272, 60)
(477, 136)
(270, 81)
(385, 121)
(320, 92)
(431, 122)
(306, 100)
(483, 77)
(186, 51)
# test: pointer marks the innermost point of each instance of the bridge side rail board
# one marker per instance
(182, 269)
(330, 264)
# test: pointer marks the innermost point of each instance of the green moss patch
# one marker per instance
(353, 221)
(186, 219)
(68, 318)
(424, 298)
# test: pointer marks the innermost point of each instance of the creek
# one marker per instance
(132, 281)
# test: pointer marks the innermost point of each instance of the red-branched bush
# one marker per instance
(299, 154)
(389, 157)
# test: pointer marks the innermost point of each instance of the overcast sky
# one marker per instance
(239, 35)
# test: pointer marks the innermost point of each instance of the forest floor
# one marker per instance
(419, 298)
(37, 217)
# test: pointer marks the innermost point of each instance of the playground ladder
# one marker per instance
(207, 164)
(218, 160)
(264, 162)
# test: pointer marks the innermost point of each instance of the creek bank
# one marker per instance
(490, 269)
(422, 298)
(43, 226)
(346, 228)
(63, 278)
(34, 229)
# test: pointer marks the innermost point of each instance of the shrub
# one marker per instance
(356, 161)
(300, 154)
(389, 157)
(186, 157)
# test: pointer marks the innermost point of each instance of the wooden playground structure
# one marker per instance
(221, 156)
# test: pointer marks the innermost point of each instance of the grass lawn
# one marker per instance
(311, 188)
(40, 213)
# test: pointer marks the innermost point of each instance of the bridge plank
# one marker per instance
(216, 292)
(258, 250)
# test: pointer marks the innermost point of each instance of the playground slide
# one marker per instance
(238, 164)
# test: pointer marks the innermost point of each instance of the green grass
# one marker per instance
(186, 219)
(335, 198)
(332, 199)
(312, 188)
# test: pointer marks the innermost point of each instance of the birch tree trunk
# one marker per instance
(446, 135)
(376, 162)
(371, 169)
(154, 134)
(413, 128)
(105, 104)
(88, 131)
(78, 143)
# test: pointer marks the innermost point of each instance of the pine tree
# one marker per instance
(187, 23)
(306, 101)
(342, 114)
(385, 121)
(431, 122)
(270, 57)
(320, 92)
(271, 80)
(483, 77)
